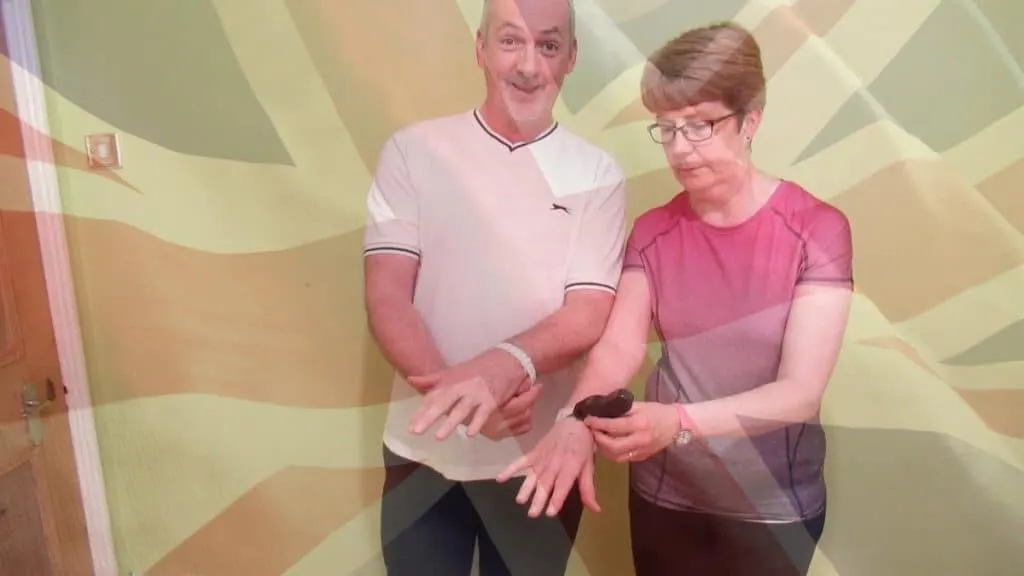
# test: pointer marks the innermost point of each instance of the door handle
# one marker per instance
(32, 406)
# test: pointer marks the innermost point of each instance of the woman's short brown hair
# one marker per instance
(717, 63)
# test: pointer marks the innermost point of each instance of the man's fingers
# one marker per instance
(560, 490)
(522, 402)
(588, 492)
(424, 380)
(541, 494)
(521, 428)
(482, 411)
(522, 463)
(495, 429)
(527, 489)
(421, 388)
(545, 484)
(520, 424)
(431, 408)
(459, 413)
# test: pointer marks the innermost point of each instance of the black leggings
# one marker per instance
(670, 542)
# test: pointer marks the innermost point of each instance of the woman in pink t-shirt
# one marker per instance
(747, 280)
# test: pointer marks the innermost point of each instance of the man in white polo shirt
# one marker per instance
(492, 252)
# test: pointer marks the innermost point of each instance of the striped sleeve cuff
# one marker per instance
(391, 249)
(590, 286)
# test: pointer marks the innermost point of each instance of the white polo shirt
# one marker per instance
(501, 231)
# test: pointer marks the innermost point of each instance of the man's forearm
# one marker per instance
(403, 337)
(562, 337)
(610, 366)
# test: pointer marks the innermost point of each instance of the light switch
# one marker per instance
(103, 150)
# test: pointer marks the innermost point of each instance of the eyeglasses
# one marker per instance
(696, 131)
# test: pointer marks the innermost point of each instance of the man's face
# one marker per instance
(526, 52)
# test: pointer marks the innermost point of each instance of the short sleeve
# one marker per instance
(392, 206)
(632, 258)
(596, 260)
(828, 250)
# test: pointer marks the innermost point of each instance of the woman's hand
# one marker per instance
(646, 430)
(564, 456)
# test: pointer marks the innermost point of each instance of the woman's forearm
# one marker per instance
(761, 410)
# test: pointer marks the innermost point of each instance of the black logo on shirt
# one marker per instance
(559, 207)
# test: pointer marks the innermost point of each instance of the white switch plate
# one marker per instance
(103, 150)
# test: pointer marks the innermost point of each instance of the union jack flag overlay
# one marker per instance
(240, 401)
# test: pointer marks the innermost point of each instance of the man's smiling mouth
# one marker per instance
(525, 89)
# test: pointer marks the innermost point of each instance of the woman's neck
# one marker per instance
(732, 201)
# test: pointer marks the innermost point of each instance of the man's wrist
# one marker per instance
(522, 359)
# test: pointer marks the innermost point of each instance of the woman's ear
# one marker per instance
(751, 122)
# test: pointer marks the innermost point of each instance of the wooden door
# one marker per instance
(42, 521)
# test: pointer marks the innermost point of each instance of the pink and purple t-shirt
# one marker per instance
(721, 298)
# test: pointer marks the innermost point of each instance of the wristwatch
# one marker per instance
(685, 435)
(682, 438)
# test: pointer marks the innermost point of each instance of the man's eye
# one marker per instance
(509, 42)
(550, 46)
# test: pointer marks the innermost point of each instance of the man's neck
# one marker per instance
(497, 118)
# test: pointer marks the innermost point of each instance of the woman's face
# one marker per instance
(706, 145)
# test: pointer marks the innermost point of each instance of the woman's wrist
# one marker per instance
(686, 429)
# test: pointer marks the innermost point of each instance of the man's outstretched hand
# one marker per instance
(562, 458)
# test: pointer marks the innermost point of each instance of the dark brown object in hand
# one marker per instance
(613, 405)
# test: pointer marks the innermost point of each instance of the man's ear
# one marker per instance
(479, 48)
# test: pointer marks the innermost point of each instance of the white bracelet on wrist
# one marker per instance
(522, 357)
(563, 414)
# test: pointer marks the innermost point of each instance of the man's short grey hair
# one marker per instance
(487, 10)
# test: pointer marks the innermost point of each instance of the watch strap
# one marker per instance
(685, 433)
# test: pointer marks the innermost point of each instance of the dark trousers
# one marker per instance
(431, 525)
(670, 542)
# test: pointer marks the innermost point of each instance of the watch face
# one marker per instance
(683, 438)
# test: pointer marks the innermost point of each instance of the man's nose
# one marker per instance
(527, 64)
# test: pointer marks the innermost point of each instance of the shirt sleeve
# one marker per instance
(632, 257)
(828, 250)
(596, 261)
(392, 206)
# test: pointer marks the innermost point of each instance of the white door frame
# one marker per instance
(30, 98)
